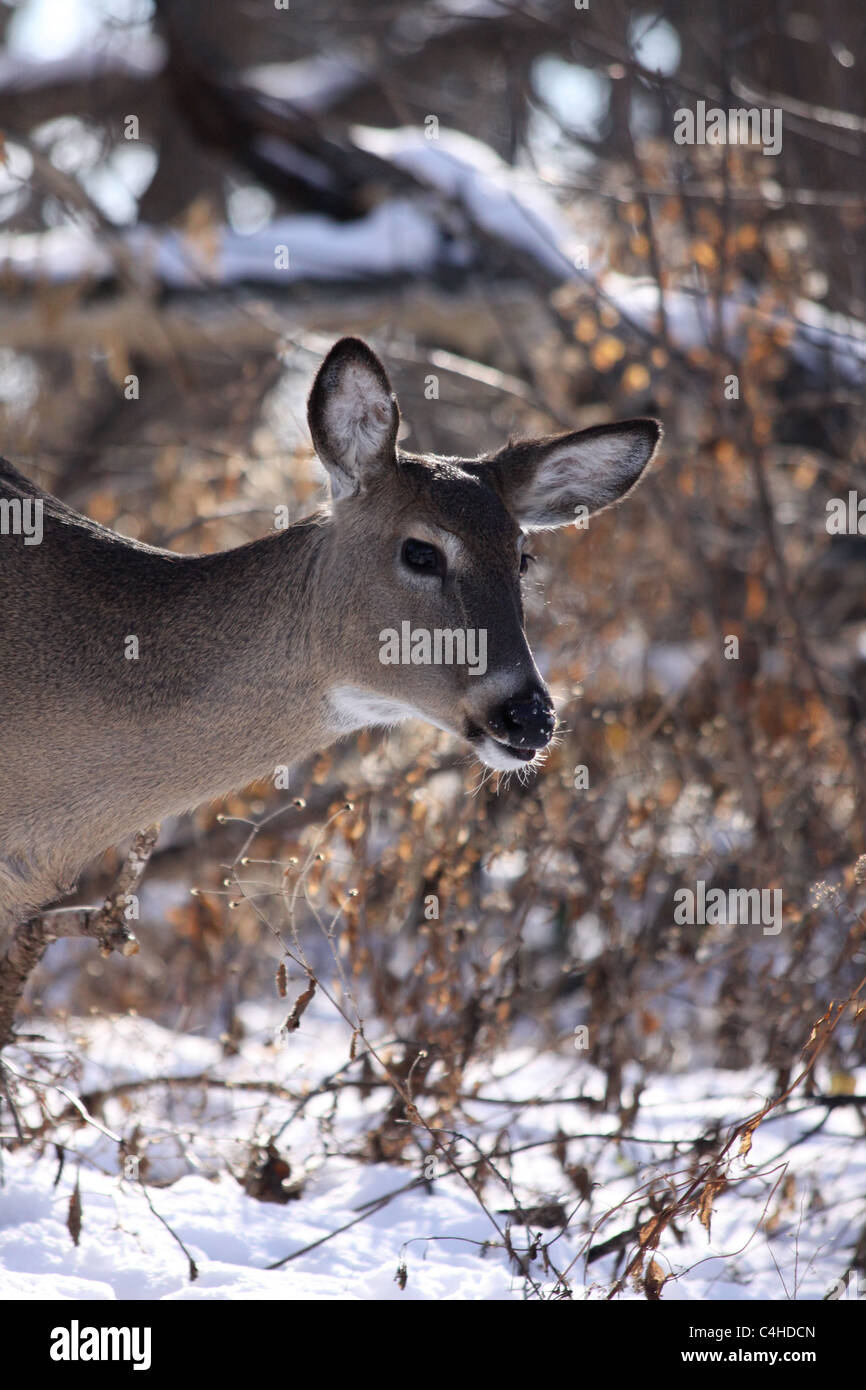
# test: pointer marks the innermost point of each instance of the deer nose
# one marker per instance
(526, 720)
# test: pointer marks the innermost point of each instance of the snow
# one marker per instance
(417, 236)
(507, 204)
(198, 1143)
(139, 57)
(233, 1238)
(397, 237)
(310, 85)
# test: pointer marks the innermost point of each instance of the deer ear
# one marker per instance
(353, 415)
(544, 481)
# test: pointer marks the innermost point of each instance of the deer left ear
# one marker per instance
(353, 416)
(544, 481)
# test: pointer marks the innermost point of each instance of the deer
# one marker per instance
(137, 683)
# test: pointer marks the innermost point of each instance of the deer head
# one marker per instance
(425, 559)
(403, 599)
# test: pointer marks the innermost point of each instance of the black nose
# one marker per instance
(526, 720)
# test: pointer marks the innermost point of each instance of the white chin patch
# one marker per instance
(494, 755)
(352, 709)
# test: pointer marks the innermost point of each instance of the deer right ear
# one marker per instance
(353, 416)
(544, 481)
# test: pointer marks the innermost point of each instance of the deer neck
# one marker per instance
(225, 689)
(241, 693)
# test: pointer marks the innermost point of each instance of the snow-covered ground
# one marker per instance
(782, 1233)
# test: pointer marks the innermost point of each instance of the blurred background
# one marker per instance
(194, 202)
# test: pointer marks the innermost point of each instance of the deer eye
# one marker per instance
(423, 557)
(525, 561)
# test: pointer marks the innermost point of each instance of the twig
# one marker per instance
(107, 924)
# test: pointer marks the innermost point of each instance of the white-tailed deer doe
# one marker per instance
(250, 659)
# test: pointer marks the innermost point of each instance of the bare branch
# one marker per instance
(106, 924)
